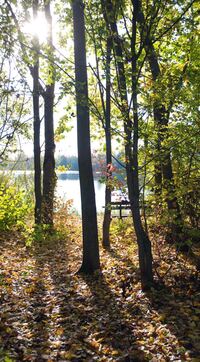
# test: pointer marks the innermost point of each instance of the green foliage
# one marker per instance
(44, 234)
(16, 202)
(4, 356)
(69, 162)
(63, 168)
(13, 208)
(39, 234)
(63, 126)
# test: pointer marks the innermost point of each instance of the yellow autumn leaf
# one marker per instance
(69, 355)
(151, 340)
(141, 342)
(56, 343)
(115, 353)
(8, 330)
(9, 280)
(100, 340)
(151, 329)
(30, 289)
(94, 344)
(59, 331)
(161, 337)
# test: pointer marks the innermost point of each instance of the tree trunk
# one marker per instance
(90, 261)
(158, 169)
(144, 244)
(36, 124)
(131, 150)
(161, 120)
(107, 212)
(49, 177)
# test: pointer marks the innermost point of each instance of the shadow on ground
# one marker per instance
(177, 302)
(48, 314)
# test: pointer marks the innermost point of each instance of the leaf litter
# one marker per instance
(50, 313)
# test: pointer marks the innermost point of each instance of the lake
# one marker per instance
(68, 187)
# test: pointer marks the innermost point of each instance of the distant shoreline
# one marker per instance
(59, 172)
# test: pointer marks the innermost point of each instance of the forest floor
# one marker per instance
(49, 313)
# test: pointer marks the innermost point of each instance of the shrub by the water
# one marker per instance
(14, 207)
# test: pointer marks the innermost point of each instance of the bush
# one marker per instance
(14, 207)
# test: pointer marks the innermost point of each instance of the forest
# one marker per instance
(117, 83)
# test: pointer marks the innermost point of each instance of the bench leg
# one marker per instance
(120, 211)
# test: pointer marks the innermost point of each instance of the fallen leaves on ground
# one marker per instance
(49, 313)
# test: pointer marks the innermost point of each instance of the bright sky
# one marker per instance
(68, 145)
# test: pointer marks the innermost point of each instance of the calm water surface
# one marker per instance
(68, 188)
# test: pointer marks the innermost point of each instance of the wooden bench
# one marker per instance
(120, 205)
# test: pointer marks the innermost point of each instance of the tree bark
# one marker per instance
(144, 244)
(107, 212)
(90, 261)
(49, 177)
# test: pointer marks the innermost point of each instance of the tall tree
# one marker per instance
(163, 164)
(131, 137)
(34, 71)
(49, 177)
(44, 210)
(91, 260)
(97, 36)
(107, 211)
(101, 40)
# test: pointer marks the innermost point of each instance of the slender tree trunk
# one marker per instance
(107, 212)
(158, 169)
(131, 150)
(161, 120)
(49, 177)
(91, 260)
(36, 124)
(36, 136)
(144, 244)
(34, 71)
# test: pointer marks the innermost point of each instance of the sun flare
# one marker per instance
(38, 27)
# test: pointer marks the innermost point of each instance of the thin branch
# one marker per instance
(121, 164)
(175, 22)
